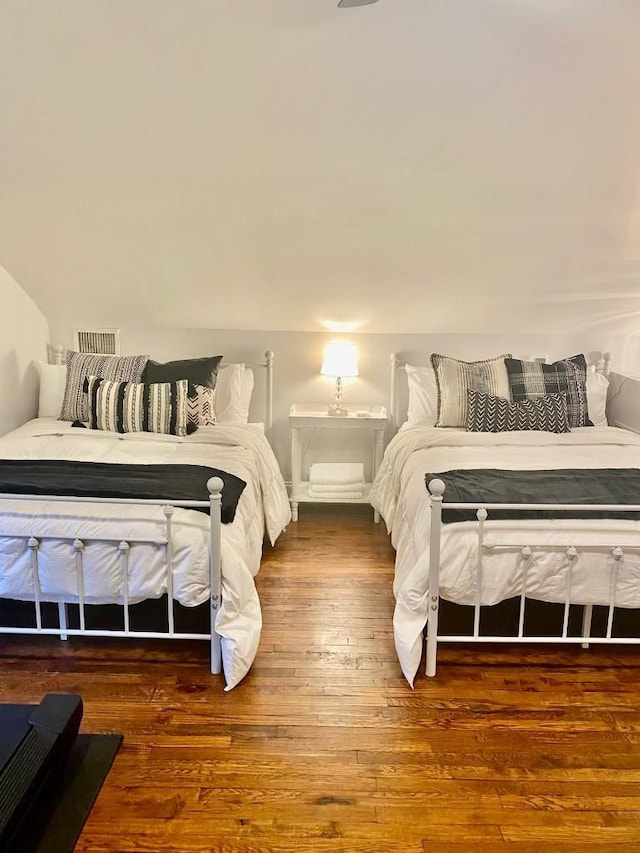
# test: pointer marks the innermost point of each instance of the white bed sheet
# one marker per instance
(239, 449)
(399, 494)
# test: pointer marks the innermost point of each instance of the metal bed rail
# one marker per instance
(613, 552)
(78, 546)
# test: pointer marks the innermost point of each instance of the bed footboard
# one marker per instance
(612, 555)
(123, 547)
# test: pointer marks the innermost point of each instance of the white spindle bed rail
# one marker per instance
(610, 551)
(76, 551)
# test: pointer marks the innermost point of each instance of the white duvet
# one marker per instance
(239, 449)
(399, 494)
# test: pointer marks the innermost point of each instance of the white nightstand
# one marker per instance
(315, 416)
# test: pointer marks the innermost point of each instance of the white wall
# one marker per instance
(24, 333)
(298, 356)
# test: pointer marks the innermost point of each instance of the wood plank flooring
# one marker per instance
(324, 747)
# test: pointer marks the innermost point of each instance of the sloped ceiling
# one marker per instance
(412, 165)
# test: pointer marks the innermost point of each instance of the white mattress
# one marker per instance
(239, 449)
(399, 494)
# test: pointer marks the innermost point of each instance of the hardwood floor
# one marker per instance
(324, 747)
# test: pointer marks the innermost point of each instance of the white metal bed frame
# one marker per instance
(35, 538)
(610, 551)
(526, 552)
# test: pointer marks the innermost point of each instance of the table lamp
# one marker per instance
(339, 361)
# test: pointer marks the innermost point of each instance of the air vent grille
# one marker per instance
(102, 341)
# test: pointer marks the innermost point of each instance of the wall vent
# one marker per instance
(102, 341)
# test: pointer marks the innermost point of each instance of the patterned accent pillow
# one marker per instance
(531, 379)
(486, 413)
(137, 406)
(454, 378)
(80, 365)
(200, 407)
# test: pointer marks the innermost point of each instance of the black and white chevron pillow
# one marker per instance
(486, 413)
(200, 407)
(138, 406)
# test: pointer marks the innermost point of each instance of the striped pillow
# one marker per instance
(138, 406)
(121, 368)
(455, 378)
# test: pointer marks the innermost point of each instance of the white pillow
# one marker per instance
(246, 392)
(53, 378)
(234, 387)
(423, 396)
(597, 388)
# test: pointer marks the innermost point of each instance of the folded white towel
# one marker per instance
(338, 496)
(332, 488)
(336, 472)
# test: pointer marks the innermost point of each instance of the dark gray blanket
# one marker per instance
(117, 480)
(556, 486)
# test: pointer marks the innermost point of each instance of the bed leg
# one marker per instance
(432, 642)
(216, 650)
(62, 616)
(586, 623)
(436, 489)
(215, 485)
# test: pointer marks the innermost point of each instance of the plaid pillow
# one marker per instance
(486, 413)
(531, 379)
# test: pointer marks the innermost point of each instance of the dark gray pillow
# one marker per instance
(198, 371)
(486, 413)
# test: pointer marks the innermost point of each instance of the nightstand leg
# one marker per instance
(296, 470)
(378, 450)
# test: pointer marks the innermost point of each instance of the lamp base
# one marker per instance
(337, 412)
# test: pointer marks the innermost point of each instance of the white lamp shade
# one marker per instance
(339, 360)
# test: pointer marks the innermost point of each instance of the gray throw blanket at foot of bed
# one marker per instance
(117, 480)
(555, 486)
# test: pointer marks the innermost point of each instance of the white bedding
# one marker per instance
(399, 494)
(239, 449)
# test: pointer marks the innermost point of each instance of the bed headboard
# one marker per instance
(399, 395)
(57, 355)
